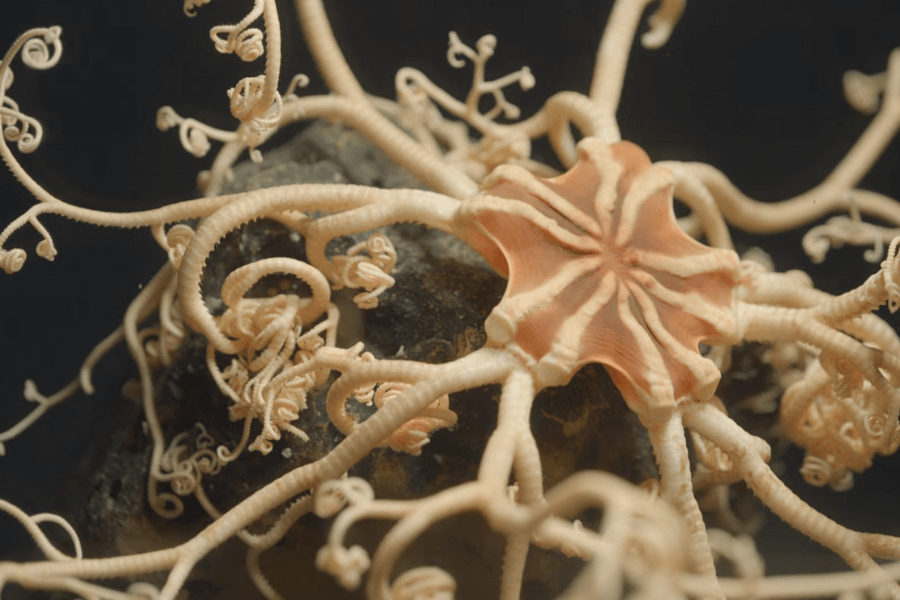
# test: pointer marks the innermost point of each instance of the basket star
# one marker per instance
(600, 271)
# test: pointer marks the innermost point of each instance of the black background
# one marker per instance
(750, 87)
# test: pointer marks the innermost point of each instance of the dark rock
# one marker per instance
(435, 314)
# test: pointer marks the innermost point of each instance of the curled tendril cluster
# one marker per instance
(190, 132)
(12, 260)
(283, 406)
(346, 565)
(249, 100)
(414, 434)
(246, 43)
(265, 326)
(275, 366)
(193, 135)
(841, 436)
(36, 52)
(842, 230)
(236, 375)
(267, 121)
(40, 50)
(25, 131)
(484, 50)
(820, 472)
(357, 270)
(183, 471)
(245, 96)
(238, 38)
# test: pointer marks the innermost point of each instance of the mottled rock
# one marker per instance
(434, 314)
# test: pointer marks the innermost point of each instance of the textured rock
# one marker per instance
(434, 313)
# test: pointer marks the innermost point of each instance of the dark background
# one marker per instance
(752, 88)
